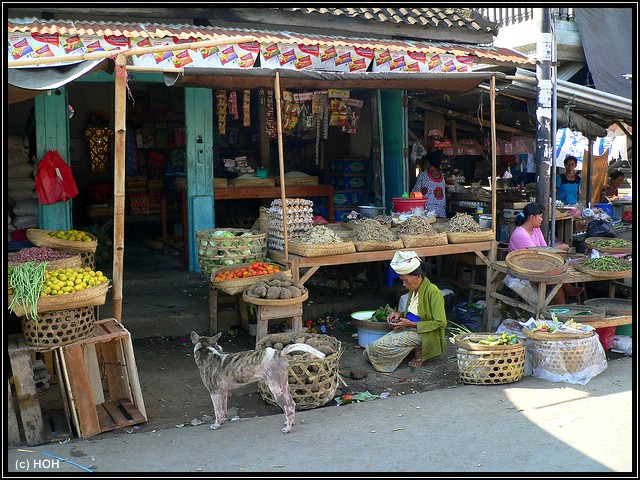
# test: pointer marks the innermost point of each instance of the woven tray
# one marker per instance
(374, 246)
(469, 237)
(275, 302)
(536, 262)
(319, 250)
(252, 182)
(75, 261)
(424, 240)
(611, 306)
(41, 238)
(580, 313)
(579, 265)
(551, 337)
(468, 341)
(233, 287)
(220, 182)
(312, 382)
(89, 297)
(589, 242)
(298, 181)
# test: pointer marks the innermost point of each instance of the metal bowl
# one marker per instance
(371, 210)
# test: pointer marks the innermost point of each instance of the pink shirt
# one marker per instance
(520, 239)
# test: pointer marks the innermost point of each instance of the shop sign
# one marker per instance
(407, 61)
(315, 57)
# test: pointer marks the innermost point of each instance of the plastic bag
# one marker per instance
(471, 315)
(600, 228)
(522, 288)
(54, 180)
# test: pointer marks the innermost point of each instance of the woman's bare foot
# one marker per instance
(416, 363)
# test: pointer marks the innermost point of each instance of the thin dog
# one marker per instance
(223, 372)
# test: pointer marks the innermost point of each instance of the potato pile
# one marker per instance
(278, 341)
(277, 288)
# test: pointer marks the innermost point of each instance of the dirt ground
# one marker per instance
(175, 396)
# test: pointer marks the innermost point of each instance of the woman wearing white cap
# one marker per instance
(420, 329)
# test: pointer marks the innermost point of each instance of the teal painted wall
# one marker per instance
(52, 133)
(393, 143)
(198, 104)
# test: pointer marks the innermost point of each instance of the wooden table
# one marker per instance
(312, 264)
(498, 270)
(294, 191)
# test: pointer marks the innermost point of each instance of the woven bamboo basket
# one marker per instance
(536, 262)
(87, 259)
(560, 357)
(252, 182)
(484, 235)
(321, 249)
(313, 381)
(488, 364)
(220, 182)
(213, 252)
(580, 313)
(74, 261)
(554, 337)
(89, 297)
(374, 246)
(604, 274)
(280, 302)
(297, 181)
(424, 240)
(41, 238)
(590, 243)
(60, 327)
(611, 306)
(233, 287)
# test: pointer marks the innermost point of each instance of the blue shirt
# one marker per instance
(567, 190)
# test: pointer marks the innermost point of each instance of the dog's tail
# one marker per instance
(303, 347)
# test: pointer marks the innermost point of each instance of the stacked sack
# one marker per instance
(23, 200)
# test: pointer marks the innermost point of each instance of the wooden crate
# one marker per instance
(101, 380)
(28, 422)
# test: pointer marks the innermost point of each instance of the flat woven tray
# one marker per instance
(611, 306)
(580, 313)
(74, 261)
(374, 246)
(555, 336)
(41, 238)
(89, 297)
(252, 182)
(281, 302)
(590, 243)
(233, 287)
(484, 235)
(468, 341)
(536, 262)
(579, 265)
(321, 249)
(424, 240)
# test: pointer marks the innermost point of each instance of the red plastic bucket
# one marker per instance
(407, 204)
(606, 336)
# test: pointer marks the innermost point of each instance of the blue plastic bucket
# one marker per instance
(607, 207)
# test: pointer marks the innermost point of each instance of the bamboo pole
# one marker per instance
(118, 183)
(283, 194)
(23, 62)
(493, 154)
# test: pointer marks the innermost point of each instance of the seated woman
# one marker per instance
(527, 234)
(610, 191)
(419, 330)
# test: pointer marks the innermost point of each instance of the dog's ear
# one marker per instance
(195, 338)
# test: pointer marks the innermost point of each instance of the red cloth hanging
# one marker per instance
(54, 180)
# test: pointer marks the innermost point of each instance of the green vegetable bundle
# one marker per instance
(26, 280)
(607, 264)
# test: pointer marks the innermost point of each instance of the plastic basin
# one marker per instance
(407, 204)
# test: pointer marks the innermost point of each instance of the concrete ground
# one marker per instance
(529, 426)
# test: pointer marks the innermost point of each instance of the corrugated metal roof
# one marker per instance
(434, 17)
(488, 53)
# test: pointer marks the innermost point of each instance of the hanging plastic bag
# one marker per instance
(54, 180)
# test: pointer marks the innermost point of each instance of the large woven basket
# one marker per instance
(280, 302)
(233, 287)
(60, 327)
(488, 364)
(321, 249)
(213, 252)
(555, 337)
(74, 261)
(484, 235)
(563, 357)
(611, 306)
(536, 262)
(604, 274)
(580, 313)
(87, 259)
(312, 382)
(41, 238)
(424, 240)
(374, 246)
(591, 240)
(89, 297)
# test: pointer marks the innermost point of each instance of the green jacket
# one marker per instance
(433, 319)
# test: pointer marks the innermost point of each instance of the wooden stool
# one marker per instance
(264, 313)
(213, 310)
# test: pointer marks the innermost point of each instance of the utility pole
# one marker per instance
(544, 144)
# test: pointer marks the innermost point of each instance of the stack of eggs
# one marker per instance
(299, 220)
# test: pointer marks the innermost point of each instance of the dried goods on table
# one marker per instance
(416, 225)
(463, 222)
(370, 230)
(319, 234)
